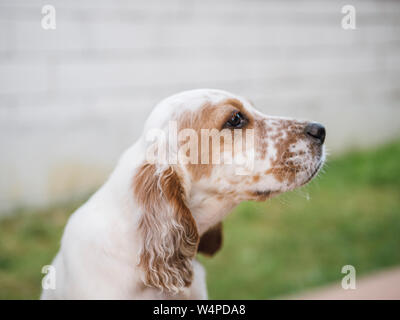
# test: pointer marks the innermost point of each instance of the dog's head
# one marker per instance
(209, 146)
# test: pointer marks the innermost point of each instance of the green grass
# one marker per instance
(271, 249)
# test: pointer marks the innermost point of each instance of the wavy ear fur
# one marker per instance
(168, 230)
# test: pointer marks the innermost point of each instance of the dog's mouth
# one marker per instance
(266, 194)
(298, 178)
(263, 195)
(314, 172)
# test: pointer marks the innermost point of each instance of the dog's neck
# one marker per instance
(208, 209)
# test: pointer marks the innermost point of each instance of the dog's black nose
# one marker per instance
(316, 131)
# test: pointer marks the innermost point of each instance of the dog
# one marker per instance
(137, 237)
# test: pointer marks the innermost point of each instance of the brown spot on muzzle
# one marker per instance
(261, 134)
(282, 167)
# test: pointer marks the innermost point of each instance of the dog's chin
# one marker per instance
(313, 174)
(265, 194)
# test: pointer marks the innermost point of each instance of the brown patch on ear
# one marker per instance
(169, 233)
(211, 241)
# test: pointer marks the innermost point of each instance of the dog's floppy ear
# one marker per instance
(211, 240)
(169, 233)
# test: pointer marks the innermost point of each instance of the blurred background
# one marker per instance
(73, 98)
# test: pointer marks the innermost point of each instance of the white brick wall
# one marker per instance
(71, 100)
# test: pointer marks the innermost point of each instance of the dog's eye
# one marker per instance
(236, 121)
